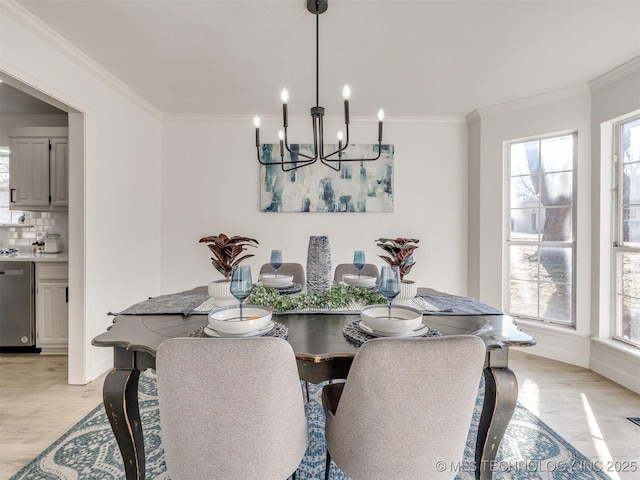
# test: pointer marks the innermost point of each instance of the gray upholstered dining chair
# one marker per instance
(368, 269)
(405, 408)
(295, 269)
(230, 408)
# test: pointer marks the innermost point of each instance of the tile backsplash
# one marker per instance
(42, 223)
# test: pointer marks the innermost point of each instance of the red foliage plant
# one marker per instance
(226, 251)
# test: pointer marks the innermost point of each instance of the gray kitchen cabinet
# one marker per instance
(38, 168)
(52, 308)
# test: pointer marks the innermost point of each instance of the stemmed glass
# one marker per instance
(276, 260)
(241, 284)
(390, 284)
(358, 260)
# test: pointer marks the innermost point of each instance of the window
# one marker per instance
(6, 215)
(541, 228)
(627, 230)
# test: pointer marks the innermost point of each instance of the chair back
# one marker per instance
(345, 268)
(230, 408)
(406, 406)
(295, 269)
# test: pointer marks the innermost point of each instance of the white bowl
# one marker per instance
(403, 319)
(353, 280)
(280, 281)
(227, 319)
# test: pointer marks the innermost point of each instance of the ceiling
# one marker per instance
(419, 58)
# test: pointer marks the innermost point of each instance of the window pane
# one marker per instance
(631, 183)
(556, 154)
(524, 262)
(631, 225)
(523, 298)
(526, 224)
(524, 191)
(555, 264)
(630, 274)
(557, 224)
(556, 189)
(630, 299)
(631, 141)
(6, 215)
(631, 319)
(525, 158)
(555, 302)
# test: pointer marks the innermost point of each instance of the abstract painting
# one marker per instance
(359, 186)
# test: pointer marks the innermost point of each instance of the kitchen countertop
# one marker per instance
(35, 257)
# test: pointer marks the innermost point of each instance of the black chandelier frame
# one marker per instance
(316, 7)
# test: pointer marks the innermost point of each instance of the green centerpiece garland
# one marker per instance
(336, 297)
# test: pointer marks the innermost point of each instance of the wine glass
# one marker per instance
(390, 284)
(358, 260)
(276, 260)
(241, 284)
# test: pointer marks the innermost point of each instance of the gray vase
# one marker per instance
(318, 265)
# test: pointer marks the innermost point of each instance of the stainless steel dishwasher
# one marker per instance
(17, 304)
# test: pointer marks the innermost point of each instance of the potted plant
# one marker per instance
(400, 252)
(227, 253)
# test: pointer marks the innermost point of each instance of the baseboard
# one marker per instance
(105, 363)
(616, 364)
(557, 343)
(54, 351)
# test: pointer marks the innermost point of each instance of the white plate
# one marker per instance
(403, 319)
(412, 333)
(278, 287)
(214, 333)
(226, 320)
(282, 280)
(353, 280)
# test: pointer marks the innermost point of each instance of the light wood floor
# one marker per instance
(589, 411)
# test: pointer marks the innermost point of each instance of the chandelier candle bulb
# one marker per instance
(284, 96)
(346, 93)
(380, 119)
(256, 122)
(281, 137)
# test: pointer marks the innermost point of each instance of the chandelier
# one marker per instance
(333, 159)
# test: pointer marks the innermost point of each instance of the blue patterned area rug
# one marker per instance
(530, 449)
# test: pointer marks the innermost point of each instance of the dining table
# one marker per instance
(323, 353)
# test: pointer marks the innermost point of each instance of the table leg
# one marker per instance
(500, 397)
(120, 394)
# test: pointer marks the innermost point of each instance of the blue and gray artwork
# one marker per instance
(360, 186)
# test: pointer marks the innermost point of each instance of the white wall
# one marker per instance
(12, 120)
(210, 185)
(614, 95)
(114, 167)
(559, 112)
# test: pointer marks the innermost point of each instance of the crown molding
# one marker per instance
(59, 43)
(529, 102)
(473, 117)
(221, 118)
(613, 75)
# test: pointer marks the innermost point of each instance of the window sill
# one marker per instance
(621, 347)
(550, 327)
